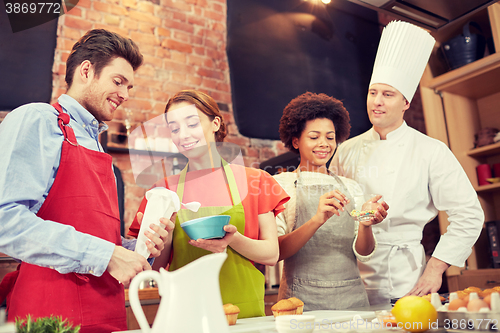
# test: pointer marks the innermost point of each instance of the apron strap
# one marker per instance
(392, 253)
(63, 121)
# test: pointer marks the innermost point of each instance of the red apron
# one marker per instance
(83, 196)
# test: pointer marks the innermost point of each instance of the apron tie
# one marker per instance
(406, 250)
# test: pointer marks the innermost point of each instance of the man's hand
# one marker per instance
(159, 238)
(216, 245)
(126, 264)
(431, 279)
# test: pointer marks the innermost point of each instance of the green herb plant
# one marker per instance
(50, 324)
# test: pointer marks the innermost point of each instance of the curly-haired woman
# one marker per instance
(319, 240)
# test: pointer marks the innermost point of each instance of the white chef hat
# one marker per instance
(402, 55)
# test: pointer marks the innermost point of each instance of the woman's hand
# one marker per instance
(380, 208)
(330, 204)
(159, 238)
(216, 245)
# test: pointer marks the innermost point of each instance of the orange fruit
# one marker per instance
(414, 314)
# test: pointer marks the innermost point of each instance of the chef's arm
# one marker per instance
(431, 279)
(365, 242)
(292, 242)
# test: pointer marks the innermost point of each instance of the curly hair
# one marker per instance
(205, 104)
(310, 106)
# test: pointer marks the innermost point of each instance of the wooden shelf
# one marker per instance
(485, 150)
(488, 188)
(469, 80)
(146, 293)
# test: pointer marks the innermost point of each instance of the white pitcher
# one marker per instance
(190, 298)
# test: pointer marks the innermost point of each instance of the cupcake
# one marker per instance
(284, 307)
(486, 292)
(298, 303)
(231, 312)
(472, 290)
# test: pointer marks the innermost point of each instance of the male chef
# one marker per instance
(58, 199)
(417, 176)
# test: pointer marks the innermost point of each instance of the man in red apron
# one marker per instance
(68, 236)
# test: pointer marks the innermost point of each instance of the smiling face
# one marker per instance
(386, 107)
(316, 144)
(104, 94)
(191, 130)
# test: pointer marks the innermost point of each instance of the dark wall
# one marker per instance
(279, 49)
(26, 59)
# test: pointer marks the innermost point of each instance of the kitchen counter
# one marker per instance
(327, 321)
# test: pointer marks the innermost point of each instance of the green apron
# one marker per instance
(240, 282)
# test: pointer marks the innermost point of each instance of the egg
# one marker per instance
(476, 304)
(457, 303)
(487, 299)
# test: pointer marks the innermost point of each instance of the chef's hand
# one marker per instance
(380, 207)
(216, 245)
(431, 279)
(126, 264)
(330, 204)
(157, 240)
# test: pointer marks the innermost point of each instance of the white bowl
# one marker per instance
(295, 323)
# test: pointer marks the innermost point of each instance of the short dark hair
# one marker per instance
(100, 47)
(205, 104)
(310, 106)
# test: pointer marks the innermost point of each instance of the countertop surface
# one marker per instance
(325, 321)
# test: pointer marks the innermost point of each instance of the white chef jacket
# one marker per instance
(417, 176)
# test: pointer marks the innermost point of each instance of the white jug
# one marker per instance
(190, 298)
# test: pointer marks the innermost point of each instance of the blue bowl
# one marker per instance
(206, 227)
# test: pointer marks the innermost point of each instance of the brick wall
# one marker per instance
(184, 47)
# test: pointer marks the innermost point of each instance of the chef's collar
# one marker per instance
(395, 135)
(83, 117)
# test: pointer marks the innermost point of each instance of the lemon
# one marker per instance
(414, 314)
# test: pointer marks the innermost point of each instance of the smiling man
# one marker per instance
(417, 176)
(58, 200)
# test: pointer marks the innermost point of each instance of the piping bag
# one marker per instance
(162, 202)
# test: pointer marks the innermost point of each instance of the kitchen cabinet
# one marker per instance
(270, 298)
(457, 104)
(150, 300)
